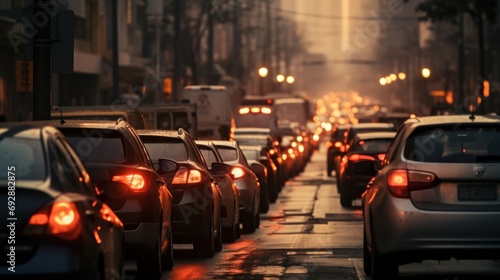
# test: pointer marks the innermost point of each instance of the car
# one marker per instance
(435, 196)
(258, 154)
(246, 181)
(230, 193)
(366, 147)
(111, 112)
(196, 211)
(333, 147)
(57, 225)
(112, 152)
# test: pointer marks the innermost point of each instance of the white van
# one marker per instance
(215, 115)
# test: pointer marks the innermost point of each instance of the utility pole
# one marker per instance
(210, 54)
(114, 49)
(42, 64)
(177, 51)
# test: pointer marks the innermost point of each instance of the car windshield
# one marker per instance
(23, 157)
(372, 145)
(96, 145)
(228, 153)
(454, 144)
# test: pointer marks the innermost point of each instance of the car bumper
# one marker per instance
(55, 262)
(402, 229)
(141, 240)
(190, 220)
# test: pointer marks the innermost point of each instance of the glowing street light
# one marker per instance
(382, 81)
(393, 77)
(426, 73)
(263, 72)
(401, 76)
(388, 80)
(280, 78)
(290, 79)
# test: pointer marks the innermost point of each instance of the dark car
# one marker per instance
(258, 154)
(246, 181)
(230, 213)
(56, 226)
(436, 196)
(334, 147)
(366, 148)
(111, 112)
(196, 211)
(113, 152)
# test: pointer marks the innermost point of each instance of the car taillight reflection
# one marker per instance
(358, 157)
(237, 172)
(135, 181)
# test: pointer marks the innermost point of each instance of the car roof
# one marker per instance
(251, 147)
(203, 142)
(160, 132)
(22, 131)
(372, 125)
(97, 108)
(227, 143)
(453, 119)
(375, 135)
(100, 124)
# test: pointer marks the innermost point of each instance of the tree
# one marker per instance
(450, 10)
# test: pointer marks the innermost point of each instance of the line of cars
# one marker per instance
(97, 192)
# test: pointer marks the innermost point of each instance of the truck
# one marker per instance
(171, 116)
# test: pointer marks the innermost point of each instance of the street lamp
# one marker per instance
(280, 78)
(382, 81)
(393, 77)
(290, 79)
(426, 73)
(388, 80)
(401, 76)
(263, 72)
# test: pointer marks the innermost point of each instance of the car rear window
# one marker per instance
(372, 145)
(165, 147)
(97, 145)
(251, 154)
(454, 144)
(227, 153)
(25, 156)
(208, 155)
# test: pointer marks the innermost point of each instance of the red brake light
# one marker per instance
(397, 181)
(358, 157)
(186, 176)
(337, 144)
(400, 182)
(381, 157)
(237, 172)
(61, 219)
(135, 181)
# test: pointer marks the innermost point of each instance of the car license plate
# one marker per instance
(477, 192)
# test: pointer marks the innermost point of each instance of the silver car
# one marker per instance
(246, 181)
(436, 196)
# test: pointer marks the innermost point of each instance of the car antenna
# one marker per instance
(62, 118)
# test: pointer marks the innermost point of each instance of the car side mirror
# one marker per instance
(257, 168)
(219, 168)
(366, 168)
(167, 165)
(110, 190)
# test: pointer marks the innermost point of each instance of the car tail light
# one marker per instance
(328, 144)
(136, 182)
(284, 156)
(60, 218)
(300, 138)
(187, 176)
(401, 181)
(337, 144)
(316, 137)
(237, 172)
(244, 111)
(266, 110)
(381, 157)
(301, 148)
(358, 157)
